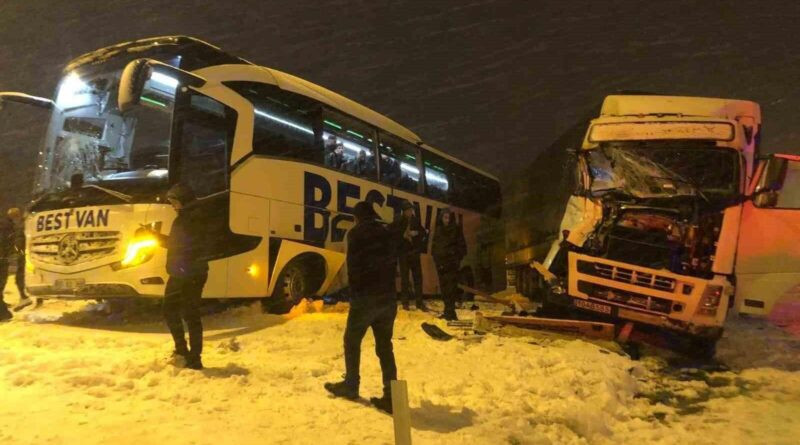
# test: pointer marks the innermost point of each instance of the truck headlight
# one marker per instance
(139, 251)
(709, 301)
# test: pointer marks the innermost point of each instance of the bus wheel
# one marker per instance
(297, 280)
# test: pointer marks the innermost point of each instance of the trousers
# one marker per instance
(410, 263)
(182, 303)
(448, 282)
(19, 277)
(380, 317)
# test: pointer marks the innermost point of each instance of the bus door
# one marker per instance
(207, 137)
(768, 252)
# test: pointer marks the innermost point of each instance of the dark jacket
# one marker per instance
(449, 246)
(6, 238)
(408, 245)
(185, 244)
(371, 261)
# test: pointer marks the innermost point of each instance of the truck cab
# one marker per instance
(674, 217)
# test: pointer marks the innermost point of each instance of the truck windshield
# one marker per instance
(651, 169)
(88, 135)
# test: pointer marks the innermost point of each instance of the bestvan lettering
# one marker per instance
(320, 227)
(73, 219)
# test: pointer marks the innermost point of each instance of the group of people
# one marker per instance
(335, 158)
(12, 245)
(448, 249)
(374, 252)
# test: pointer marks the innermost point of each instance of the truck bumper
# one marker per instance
(620, 291)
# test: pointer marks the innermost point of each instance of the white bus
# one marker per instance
(278, 161)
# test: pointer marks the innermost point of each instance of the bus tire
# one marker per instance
(300, 279)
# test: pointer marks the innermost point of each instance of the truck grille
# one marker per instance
(630, 299)
(67, 249)
(628, 276)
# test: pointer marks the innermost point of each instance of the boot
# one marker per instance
(342, 389)
(382, 403)
(180, 352)
(449, 316)
(5, 314)
(22, 304)
(193, 361)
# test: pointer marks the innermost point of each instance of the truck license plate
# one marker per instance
(602, 308)
(68, 285)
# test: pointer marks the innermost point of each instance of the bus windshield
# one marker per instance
(89, 136)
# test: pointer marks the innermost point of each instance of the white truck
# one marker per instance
(672, 217)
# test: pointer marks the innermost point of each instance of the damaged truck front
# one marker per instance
(660, 206)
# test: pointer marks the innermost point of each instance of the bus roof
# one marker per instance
(229, 68)
(635, 105)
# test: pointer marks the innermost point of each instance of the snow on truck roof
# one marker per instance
(231, 68)
(633, 105)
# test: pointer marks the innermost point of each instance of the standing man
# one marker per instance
(411, 238)
(12, 231)
(449, 248)
(370, 271)
(18, 244)
(6, 247)
(188, 270)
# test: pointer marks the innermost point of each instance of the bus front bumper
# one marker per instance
(84, 291)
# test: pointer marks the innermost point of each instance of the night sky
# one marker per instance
(492, 82)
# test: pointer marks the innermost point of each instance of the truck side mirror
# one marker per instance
(770, 183)
(139, 71)
(765, 198)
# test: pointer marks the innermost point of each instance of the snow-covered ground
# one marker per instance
(71, 375)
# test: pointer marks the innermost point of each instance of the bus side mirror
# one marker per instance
(27, 99)
(139, 71)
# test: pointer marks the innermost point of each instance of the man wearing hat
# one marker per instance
(370, 272)
(411, 239)
(188, 270)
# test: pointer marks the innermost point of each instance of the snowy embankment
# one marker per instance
(68, 376)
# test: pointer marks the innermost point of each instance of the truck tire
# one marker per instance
(702, 348)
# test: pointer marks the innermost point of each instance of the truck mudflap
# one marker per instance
(654, 297)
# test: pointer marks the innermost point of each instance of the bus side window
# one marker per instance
(284, 122)
(399, 163)
(472, 190)
(349, 145)
(438, 178)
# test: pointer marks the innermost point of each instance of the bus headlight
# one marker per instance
(139, 251)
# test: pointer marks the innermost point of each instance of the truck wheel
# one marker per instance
(702, 348)
(295, 282)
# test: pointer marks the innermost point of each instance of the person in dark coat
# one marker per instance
(18, 242)
(6, 248)
(411, 239)
(371, 274)
(12, 234)
(188, 270)
(449, 248)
